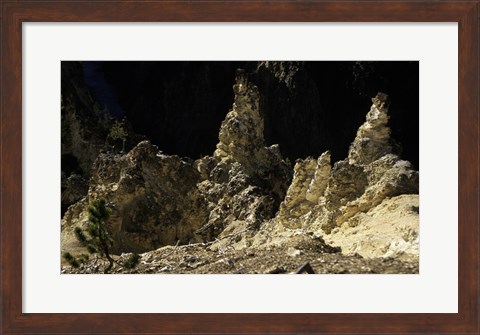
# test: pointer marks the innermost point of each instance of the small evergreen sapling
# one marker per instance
(117, 132)
(132, 261)
(71, 260)
(99, 239)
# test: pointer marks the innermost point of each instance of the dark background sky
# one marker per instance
(180, 105)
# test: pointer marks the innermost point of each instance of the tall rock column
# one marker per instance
(244, 180)
(319, 181)
(241, 133)
(310, 179)
(373, 137)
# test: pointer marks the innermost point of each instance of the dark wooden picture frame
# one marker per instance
(14, 13)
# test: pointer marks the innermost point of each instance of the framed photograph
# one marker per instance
(173, 167)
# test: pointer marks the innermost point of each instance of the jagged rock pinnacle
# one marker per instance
(309, 183)
(319, 181)
(373, 136)
(241, 133)
(245, 181)
(354, 203)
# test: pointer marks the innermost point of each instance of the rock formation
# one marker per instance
(153, 198)
(84, 125)
(390, 229)
(85, 133)
(245, 181)
(241, 133)
(309, 183)
(74, 188)
(243, 198)
(158, 199)
(353, 201)
(373, 137)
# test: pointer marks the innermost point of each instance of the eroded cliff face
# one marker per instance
(84, 125)
(85, 133)
(245, 198)
(84, 128)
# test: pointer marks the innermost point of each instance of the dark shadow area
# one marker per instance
(179, 106)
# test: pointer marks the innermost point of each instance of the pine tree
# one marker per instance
(71, 260)
(99, 239)
(132, 261)
(118, 132)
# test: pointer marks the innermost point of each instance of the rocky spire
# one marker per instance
(244, 181)
(310, 179)
(373, 136)
(241, 133)
(319, 181)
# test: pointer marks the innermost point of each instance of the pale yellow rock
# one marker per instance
(310, 179)
(366, 204)
(373, 137)
(319, 182)
(295, 204)
(388, 177)
(241, 133)
(390, 229)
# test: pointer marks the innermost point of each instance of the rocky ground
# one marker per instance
(281, 260)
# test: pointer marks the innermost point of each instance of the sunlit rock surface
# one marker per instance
(244, 180)
(358, 192)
